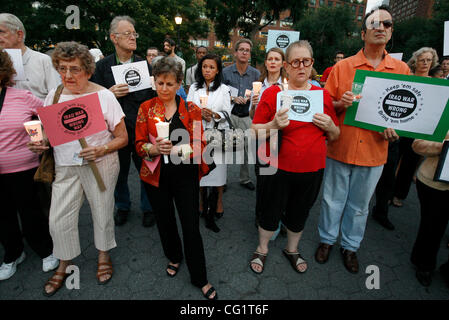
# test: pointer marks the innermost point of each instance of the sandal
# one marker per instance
(104, 271)
(259, 259)
(172, 267)
(55, 283)
(209, 293)
(295, 260)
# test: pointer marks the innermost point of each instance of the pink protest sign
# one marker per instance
(72, 120)
(151, 165)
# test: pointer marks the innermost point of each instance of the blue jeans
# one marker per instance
(121, 194)
(346, 195)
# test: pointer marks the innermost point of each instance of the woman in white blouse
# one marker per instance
(208, 78)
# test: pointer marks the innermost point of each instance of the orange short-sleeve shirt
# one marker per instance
(355, 145)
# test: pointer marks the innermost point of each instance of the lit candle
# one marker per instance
(163, 130)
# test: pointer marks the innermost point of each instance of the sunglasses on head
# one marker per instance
(375, 24)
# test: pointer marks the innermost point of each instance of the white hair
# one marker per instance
(13, 23)
(116, 20)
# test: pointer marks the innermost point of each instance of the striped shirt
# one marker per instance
(19, 106)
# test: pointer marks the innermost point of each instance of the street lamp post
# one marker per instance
(178, 21)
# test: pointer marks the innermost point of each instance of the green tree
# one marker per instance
(248, 16)
(329, 30)
(45, 23)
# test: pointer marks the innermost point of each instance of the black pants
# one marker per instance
(180, 183)
(407, 168)
(434, 219)
(385, 186)
(18, 194)
(289, 192)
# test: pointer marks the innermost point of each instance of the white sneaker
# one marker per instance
(49, 263)
(7, 270)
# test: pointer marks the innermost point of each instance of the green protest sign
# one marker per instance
(416, 107)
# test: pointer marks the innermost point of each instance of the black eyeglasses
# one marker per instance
(307, 62)
(376, 24)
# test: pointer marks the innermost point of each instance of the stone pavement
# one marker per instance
(139, 262)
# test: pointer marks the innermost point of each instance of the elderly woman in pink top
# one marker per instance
(18, 192)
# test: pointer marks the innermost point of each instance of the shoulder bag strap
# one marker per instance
(228, 119)
(2, 98)
(58, 93)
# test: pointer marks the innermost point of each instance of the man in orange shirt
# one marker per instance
(354, 162)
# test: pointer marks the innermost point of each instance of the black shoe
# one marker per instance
(424, 277)
(249, 186)
(219, 215)
(149, 219)
(384, 222)
(120, 217)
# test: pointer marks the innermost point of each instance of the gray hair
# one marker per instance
(116, 20)
(244, 40)
(13, 23)
(412, 62)
(298, 44)
(168, 65)
(69, 51)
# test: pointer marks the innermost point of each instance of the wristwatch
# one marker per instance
(106, 148)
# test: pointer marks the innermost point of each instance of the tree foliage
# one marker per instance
(329, 30)
(45, 24)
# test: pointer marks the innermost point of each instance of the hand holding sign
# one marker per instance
(119, 90)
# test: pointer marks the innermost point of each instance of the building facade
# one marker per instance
(405, 9)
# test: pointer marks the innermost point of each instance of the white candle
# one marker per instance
(257, 86)
(285, 84)
(203, 101)
(163, 131)
(34, 130)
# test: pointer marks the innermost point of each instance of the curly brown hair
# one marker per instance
(70, 50)
(7, 70)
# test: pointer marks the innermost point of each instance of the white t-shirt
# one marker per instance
(65, 154)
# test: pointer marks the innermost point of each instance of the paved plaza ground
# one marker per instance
(139, 262)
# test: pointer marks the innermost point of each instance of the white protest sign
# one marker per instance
(281, 39)
(396, 55)
(446, 39)
(402, 105)
(16, 57)
(135, 75)
(304, 105)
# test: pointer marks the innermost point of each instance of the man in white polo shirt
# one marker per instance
(41, 77)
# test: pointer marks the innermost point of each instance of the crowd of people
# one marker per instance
(350, 164)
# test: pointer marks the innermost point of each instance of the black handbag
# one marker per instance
(231, 139)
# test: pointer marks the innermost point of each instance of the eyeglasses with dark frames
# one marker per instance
(307, 62)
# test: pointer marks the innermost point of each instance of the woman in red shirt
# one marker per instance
(292, 190)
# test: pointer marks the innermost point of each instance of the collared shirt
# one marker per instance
(233, 78)
(355, 145)
(41, 77)
(190, 75)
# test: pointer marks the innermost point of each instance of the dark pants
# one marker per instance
(434, 219)
(259, 186)
(290, 192)
(18, 194)
(121, 194)
(180, 183)
(407, 168)
(385, 186)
